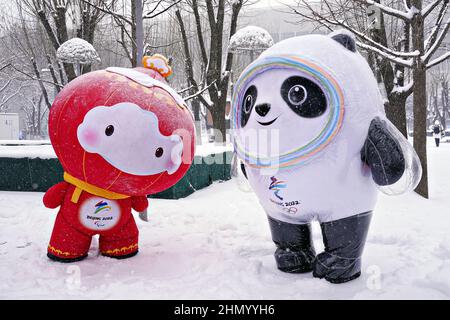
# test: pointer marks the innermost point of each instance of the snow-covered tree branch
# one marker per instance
(438, 60)
(404, 15)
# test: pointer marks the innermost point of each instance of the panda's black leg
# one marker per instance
(295, 251)
(344, 241)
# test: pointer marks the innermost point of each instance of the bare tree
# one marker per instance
(215, 69)
(56, 17)
(438, 88)
(35, 113)
(123, 13)
(26, 51)
(6, 95)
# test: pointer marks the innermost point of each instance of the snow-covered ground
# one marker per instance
(216, 244)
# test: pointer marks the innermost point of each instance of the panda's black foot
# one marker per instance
(335, 269)
(294, 261)
(344, 241)
(295, 252)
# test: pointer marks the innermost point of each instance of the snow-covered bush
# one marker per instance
(77, 51)
(250, 38)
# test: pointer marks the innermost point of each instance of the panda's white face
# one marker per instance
(305, 97)
(286, 104)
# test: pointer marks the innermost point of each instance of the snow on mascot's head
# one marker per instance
(309, 126)
(123, 130)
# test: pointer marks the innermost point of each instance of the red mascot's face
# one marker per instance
(123, 130)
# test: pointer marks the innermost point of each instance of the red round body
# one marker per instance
(105, 88)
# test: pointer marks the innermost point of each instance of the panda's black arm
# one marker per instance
(383, 154)
(244, 172)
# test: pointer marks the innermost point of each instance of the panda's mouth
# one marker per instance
(267, 123)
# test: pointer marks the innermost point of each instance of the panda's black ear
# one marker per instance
(346, 39)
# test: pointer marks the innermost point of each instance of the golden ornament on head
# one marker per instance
(158, 63)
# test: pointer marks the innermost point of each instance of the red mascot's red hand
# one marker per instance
(54, 196)
(120, 134)
(139, 203)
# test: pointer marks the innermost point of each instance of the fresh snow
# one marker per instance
(23, 142)
(78, 51)
(250, 38)
(27, 151)
(216, 244)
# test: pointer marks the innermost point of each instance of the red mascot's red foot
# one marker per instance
(120, 134)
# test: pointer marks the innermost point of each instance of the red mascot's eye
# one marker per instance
(159, 152)
(109, 130)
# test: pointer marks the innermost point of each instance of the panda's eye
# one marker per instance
(247, 104)
(109, 130)
(304, 97)
(297, 95)
(249, 99)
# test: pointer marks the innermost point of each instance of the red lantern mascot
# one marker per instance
(120, 134)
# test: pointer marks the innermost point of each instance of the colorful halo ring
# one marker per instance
(313, 72)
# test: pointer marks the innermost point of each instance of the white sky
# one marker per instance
(268, 3)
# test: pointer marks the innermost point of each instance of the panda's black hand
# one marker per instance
(383, 154)
(244, 172)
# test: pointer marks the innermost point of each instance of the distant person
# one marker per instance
(437, 132)
(21, 135)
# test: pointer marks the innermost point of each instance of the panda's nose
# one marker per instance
(262, 109)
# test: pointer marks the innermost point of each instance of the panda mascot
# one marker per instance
(309, 128)
(120, 134)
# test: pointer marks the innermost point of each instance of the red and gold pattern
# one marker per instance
(121, 251)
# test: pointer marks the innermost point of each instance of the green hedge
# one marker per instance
(35, 174)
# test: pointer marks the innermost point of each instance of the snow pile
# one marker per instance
(77, 51)
(250, 38)
(23, 142)
(27, 151)
(216, 244)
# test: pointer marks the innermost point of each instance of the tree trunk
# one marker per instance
(385, 73)
(139, 32)
(444, 96)
(133, 35)
(198, 125)
(61, 27)
(420, 125)
(420, 98)
(218, 117)
(396, 112)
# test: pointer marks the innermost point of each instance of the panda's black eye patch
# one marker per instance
(247, 104)
(304, 97)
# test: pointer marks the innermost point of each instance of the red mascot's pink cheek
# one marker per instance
(89, 137)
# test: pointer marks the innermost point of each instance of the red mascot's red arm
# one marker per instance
(139, 203)
(54, 196)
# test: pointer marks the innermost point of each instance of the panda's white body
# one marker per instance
(326, 190)
(335, 183)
